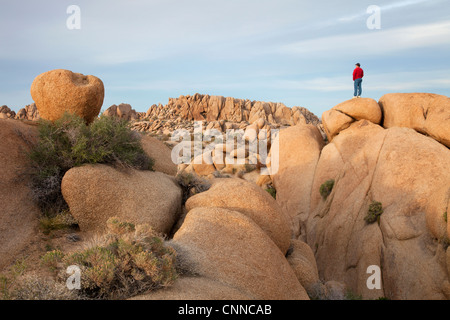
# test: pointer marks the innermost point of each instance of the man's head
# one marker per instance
(358, 65)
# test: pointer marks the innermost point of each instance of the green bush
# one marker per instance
(249, 167)
(326, 188)
(374, 212)
(64, 220)
(127, 261)
(69, 142)
(272, 191)
(350, 295)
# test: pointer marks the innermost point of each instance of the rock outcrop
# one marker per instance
(160, 154)
(227, 246)
(6, 113)
(303, 263)
(30, 112)
(404, 171)
(124, 111)
(250, 200)
(344, 114)
(297, 149)
(215, 108)
(195, 288)
(19, 216)
(58, 91)
(95, 193)
(424, 112)
(385, 170)
(232, 153)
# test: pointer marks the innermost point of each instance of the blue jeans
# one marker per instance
(358, 87)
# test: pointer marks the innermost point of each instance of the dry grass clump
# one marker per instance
(126, 261)
(61, 221)
(191, 184)
(33, 287)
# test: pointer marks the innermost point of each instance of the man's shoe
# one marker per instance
(354, 97)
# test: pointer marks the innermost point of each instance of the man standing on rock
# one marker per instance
(358, 74)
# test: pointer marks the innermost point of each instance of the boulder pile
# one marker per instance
(393, 154)
(6, 113)
(217, 112)
(30, 112)
(311, 212)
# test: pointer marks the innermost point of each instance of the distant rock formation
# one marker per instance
(124, 111)
(216, 112)
(6, 113)
(30, 112)
(216, 108)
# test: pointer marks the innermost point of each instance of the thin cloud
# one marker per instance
(375, 43)
(398, 81)
(395, 5)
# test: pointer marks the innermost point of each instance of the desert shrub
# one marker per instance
(272, 191)
(126, 261)
(220, 175)
(249, 167)
(445, 241)
(350, 295)
(191, 184)
(319, 291)
(69, 142)
(165, 137)
(8, 280)
(445, 216)
(326, 188)
(374, 212)
(63, 220)
(52, 259)
(35, 287)
(5, 284)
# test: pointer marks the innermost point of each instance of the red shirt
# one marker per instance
(358, 73)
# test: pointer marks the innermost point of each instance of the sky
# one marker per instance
(300, 53)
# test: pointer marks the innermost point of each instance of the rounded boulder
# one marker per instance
(98, 192)
(252, 201)
(59, 91)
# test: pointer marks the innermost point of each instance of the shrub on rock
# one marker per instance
(69, 142)
(127, 261)
(326, 188)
